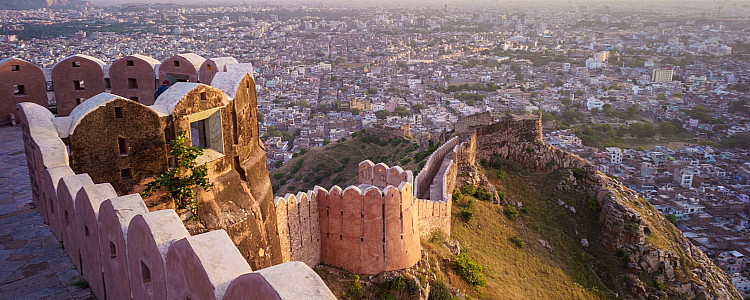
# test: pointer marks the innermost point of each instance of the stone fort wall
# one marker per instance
(121, 248)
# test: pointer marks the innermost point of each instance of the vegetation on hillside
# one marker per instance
(336, 163)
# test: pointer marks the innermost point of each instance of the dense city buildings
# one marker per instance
(655, 97)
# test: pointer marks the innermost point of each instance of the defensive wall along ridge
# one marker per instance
(121, 248)
(374, 226)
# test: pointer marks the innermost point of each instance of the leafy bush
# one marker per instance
(633, 228)
(181, 188)
(592, 203)
(621, 253)
(405, 284)
(466, 214)
(355, 290)
(501, 175)
(468, 189)
(483, 194)
(457, 195)
(517, 241)
(437, 236)
(511, 212)
(470, 270)
(671, 218)
(439, 291)
(579, 173)
(501, 195)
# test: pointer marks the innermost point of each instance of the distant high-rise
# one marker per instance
(663, 74)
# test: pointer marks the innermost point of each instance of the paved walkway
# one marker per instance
(33, 265)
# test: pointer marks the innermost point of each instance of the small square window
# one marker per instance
(177, 63)
(130, 63)
(86, 231)
(76, 64)
(134, 99)
(15, 68)
(79, 85)
(107, 83)
(126, 174)
(80, 100)
(118, 112)
(132, 83)
(208, 67)
(19, 90)
(203, 96)
(112, 250)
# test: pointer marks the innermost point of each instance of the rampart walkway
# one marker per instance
(33, 264)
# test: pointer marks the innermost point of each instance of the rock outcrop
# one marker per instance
(658, 260)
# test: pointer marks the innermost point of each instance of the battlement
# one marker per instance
(363, 231)
(114, 241)
(380, 175)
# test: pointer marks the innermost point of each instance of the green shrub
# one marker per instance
(592, 203)
(482, 194)
(529, 150)
(468, 189)
(671, 218)
(439, 291)
(621, 253)
(501, 175)
(501, 195)
(291, 188)
(511, 212)
(355, 289)
(277, 176)
(457, 195)
(466, 214)
(632, 227)
(659, 285)
(579, 173)
(517, 241)
(470, 270)
(405, 284)
(437, 236)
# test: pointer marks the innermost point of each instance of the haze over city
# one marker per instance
(334, 149)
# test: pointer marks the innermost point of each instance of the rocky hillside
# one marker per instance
(534, 222)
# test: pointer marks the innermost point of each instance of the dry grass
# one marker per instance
(568, 271)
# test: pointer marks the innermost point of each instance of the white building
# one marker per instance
(615, 155)
(594, 103)
(684, 177)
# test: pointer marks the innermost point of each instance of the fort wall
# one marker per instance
(107, 236)
(363, 231)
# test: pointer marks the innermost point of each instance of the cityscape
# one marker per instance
(653, 95)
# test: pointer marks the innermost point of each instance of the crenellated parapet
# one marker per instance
(365, 231)
(120, 247)
(380, 175)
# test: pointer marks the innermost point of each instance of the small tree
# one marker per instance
(181, 188)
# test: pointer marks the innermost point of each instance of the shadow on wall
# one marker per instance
(107, 237)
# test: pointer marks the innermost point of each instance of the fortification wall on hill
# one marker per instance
(363, 231)
(471, 122)
(120, 248)
(518, 139)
